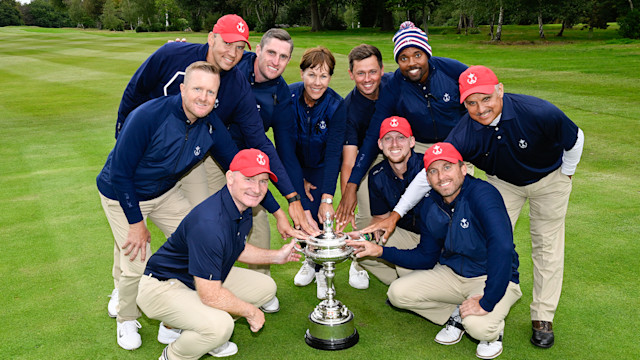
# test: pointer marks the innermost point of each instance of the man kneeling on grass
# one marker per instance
(191, 283)
(466, 265)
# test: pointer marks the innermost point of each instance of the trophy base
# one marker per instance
(332, 344)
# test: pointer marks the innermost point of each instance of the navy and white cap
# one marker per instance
(410, 35)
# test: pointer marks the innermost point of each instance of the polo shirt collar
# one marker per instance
(230, 206)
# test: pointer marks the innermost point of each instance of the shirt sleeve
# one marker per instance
(369, 150)
(423, 257)
(252, 128)
(134, 139)
(139, 88)
(333, 152)
(415, 192)
(571, 157)
(284, 132)
(489, 210)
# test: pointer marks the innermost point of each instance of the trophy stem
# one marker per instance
(329, 272)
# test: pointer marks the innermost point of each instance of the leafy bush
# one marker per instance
(156, 27)
(9, 13)
(630, 25)
(142, 28)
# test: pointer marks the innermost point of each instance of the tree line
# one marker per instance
(198, 15)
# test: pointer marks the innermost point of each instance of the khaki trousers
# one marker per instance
(203, 328)
(166, 211)
(548, 202)
(206, 179)
(384, 270)
(434, 294)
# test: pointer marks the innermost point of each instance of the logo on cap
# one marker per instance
(437, 150)
(471, 78)
(394, 122)
(464, 223)
(240, 27)
(261, 159)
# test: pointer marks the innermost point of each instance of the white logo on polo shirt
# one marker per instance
(261, 160)
(471, 79)
(196, 152)
(464, 223)
(394, 122)
(446, 97)
(437, 150)
(240, 27)
(323, 125)
(258, 106)
(215, 105)
(523, 144)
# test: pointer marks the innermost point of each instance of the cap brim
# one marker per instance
(233, 38)
(481, 89)
(445, 158)
(250, 172)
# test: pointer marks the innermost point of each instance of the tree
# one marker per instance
(110, 17)
(315, 16)
(42, 13)
(9, 13)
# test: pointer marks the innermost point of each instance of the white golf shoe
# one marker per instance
(127, 334)
(112, 307)
(306, 274)
(489, 350)
(358, 279)
(452, 331)
(166, 335)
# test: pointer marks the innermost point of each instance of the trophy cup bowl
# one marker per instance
(331, 323)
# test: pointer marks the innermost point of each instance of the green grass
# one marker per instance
(60, 90)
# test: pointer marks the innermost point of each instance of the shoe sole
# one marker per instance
(489, 356)
(126, 348)
(540, 345)
(358, 287)
(270, 311)
(451, 342)
(113, 316)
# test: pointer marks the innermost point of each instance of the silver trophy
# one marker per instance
(331, 323)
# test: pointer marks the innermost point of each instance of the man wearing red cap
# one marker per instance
(387, 181)
(529, 149)
(466, 265)
(191, 281)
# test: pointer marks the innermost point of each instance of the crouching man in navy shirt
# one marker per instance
(191, 283)
(387, 181)
(466, 265)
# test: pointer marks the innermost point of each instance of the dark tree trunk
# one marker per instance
(387, 20)
(564, 22)
(315, 17)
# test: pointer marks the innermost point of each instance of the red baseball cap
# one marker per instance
(395, 123)
(232, 28)
(441, 151)
(477, 79)
(251, 162)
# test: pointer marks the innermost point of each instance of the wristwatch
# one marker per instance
(327, 201)
(296, 197)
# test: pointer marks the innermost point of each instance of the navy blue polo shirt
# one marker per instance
(359, 112)
(206, 244)
(385, 189)
(526, 145)
(432, 109)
